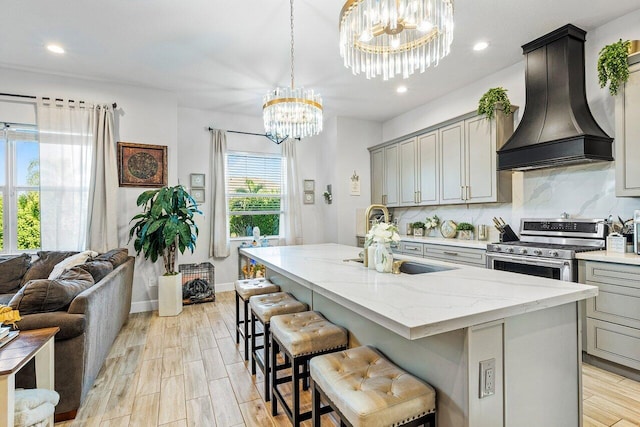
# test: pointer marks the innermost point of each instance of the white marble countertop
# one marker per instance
(604, 256)
(416, 306)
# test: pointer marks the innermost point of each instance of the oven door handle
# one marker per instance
(528, 261)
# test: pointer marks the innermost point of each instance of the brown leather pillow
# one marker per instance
(12, 269)
(114, 256)
(44, 295)
(97, 269)
(43, 266)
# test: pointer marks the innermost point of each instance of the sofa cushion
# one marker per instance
(71, 325)
(42, 267)
(5, 298)
(72, 261)
(114, 256)
(12, 269)
(43, 295)
(97, 269)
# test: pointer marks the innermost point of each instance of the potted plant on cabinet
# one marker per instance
(431, 223)
(494, 98)
(465, 230)
(166, 225)
(613, 66)
(418, 229)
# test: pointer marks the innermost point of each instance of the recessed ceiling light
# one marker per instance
(55, 48)
(480, 46)
(401, 89)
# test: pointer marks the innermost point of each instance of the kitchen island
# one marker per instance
(439, 326)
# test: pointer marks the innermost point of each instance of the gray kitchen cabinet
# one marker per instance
(468, 160)
(407, 170)
(418, 169)
(627, 142)
(452, 163)
(452, 160)
(613, 317)
(456, 254)
(377, 176)
(385, 183)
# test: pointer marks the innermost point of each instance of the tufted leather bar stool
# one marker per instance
(245, 289)
(367, 390)
(301, 336)
(263, 308)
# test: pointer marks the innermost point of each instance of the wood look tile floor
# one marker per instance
(188, 371)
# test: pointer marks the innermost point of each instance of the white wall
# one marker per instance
(143, 116)
(582, 191)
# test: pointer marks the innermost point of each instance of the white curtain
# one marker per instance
(292, 218)
(220, 246)
(103, 191)
(66, 151)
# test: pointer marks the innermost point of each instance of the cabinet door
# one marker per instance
(428, 173)
(377, 176)
(408, 195)
(628, 136)
(480, 160)
(451, 164)
(391, 181)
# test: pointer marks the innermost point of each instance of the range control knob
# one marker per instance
(523, 251)
(537, 252)
(553, 253)
(510, 250)
(497, 248)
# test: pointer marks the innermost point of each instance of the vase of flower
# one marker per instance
(383, 258)
(378, 243)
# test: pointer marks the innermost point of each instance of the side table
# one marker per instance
(36, 343)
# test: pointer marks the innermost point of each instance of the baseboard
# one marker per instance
(607, 365)
(143, 306)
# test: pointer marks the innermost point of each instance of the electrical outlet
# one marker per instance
(487, 378)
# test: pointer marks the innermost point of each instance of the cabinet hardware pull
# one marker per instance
(450, 253)
(419, 196)
(468, 192)
(413, 249)
(462, 192)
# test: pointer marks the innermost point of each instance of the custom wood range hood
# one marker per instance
(557, 127)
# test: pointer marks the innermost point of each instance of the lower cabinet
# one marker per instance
(449, 253)
(613, 317)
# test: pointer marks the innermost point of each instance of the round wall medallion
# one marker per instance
(448, 229)
(142, 165)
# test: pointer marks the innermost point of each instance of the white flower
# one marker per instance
(382, 232)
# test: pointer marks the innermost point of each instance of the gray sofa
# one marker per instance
(88, 328)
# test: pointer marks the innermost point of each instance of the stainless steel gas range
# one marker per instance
(548, 247)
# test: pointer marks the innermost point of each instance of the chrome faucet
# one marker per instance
(367, 225)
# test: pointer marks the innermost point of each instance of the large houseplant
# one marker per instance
(165, 225)
(613, 66)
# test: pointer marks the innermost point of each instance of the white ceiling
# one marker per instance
(225, 55)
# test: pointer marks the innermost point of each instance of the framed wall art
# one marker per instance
(142, 165)
(197, 180)
(198, 194)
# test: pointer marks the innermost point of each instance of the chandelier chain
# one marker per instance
(291, 2)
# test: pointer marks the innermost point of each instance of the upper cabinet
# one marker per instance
(627, 142)
(451, 164)
(385, 186)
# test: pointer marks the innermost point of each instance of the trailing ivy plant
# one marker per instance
(493, 98)
(166, 224)
(613, 66)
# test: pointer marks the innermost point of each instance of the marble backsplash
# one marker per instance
(583, 191)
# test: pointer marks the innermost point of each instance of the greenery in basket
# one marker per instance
(166, 224)
(418, 225)
(465, 226)
(492, 99)
(613, 66)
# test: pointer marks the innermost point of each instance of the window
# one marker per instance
(254, 185)
(19, 189)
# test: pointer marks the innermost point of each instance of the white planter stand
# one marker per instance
(170, 295)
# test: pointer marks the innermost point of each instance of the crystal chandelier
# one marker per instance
(390, 37)
(290, 112)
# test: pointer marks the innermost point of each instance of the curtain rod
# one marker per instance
(114, 105)
(272, 138)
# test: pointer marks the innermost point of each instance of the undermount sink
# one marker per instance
(418, 268)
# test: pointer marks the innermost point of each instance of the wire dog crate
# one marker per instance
(198, 282)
